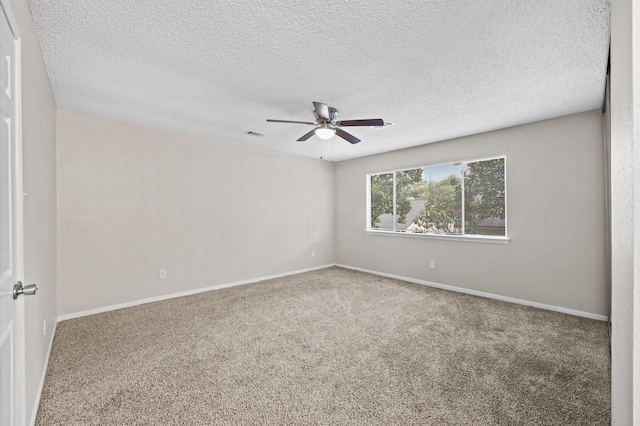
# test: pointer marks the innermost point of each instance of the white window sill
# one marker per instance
(467, 238)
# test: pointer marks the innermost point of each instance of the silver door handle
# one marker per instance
(29, 290)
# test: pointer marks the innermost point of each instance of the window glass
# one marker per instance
(408, 201)
(435, 199)
(381, 197)
(484, 196)
(442, 192)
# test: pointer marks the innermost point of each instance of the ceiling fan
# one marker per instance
(328, 124)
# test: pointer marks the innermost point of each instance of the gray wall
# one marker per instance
(556, 211)
(133, 200)
(39, 180)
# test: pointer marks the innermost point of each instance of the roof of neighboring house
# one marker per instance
(386, 220)
(492, 222)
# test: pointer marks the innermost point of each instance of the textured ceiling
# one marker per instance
(436, 69)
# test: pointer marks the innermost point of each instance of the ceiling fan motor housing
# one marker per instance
(333, 115)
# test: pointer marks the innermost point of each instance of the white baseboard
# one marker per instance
(483, 294)
(36, 405)
(185, 293)
(383, 274)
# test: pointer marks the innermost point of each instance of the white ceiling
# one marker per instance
(436, 69)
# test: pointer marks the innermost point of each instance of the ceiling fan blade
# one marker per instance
(378, 122)
(290, 121)
(347, 136)
(306, 136)
(322, 110)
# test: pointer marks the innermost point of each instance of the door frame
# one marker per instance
(19, 330)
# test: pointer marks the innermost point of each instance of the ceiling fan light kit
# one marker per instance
(328, 124)
(324, 132)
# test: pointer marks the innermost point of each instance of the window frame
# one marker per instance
(494, 239)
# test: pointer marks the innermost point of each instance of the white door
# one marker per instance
(11, 310)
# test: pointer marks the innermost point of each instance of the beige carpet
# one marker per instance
(330, 347)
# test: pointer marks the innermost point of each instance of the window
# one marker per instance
(466, 198)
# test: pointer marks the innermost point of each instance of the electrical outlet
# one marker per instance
(432, 264)
(44, 327)
(162, 274)
(313, 252)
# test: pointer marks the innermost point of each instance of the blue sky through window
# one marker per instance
(439, 173)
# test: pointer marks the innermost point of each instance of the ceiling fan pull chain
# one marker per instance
(328, 157)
